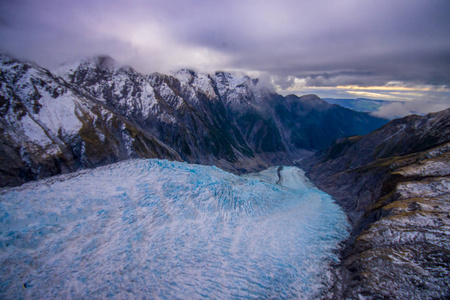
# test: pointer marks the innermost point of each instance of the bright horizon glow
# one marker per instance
(422, 88)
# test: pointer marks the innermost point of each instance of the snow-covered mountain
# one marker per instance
(49, 126)
(93, 111)
(169, 231)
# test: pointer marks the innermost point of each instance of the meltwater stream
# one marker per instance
(165, 230)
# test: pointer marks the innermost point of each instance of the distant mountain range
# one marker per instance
(93, 112)
(359, 104)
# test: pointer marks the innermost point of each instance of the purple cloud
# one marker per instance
(324, 42)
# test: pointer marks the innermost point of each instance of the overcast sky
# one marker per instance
(379, 49)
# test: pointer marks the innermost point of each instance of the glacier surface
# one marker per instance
(167, 230)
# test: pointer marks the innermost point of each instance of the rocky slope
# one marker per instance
(93, 112)
(394, 184)
(49, 127)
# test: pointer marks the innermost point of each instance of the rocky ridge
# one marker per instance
(394, 184)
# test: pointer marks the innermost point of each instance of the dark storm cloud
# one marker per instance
(324, 42)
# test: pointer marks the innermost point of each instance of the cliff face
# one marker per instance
(394, 184)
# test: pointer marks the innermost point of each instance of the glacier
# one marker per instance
(168, 230)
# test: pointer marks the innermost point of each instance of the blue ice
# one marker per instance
(167, 230)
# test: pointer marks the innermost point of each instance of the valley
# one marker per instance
(187, 181)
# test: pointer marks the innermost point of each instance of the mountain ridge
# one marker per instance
(117, 113)
(394, 185)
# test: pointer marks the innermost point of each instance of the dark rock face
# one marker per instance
(394, 184)
(95, 112)
(312, 123)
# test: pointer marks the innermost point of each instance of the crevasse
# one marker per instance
(168, 230)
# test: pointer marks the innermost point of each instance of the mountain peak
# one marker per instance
(105, 61)
(232, 81)
(310, 97)
(102, 62)
(4, 58)
(185, 75)
(314, 101)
